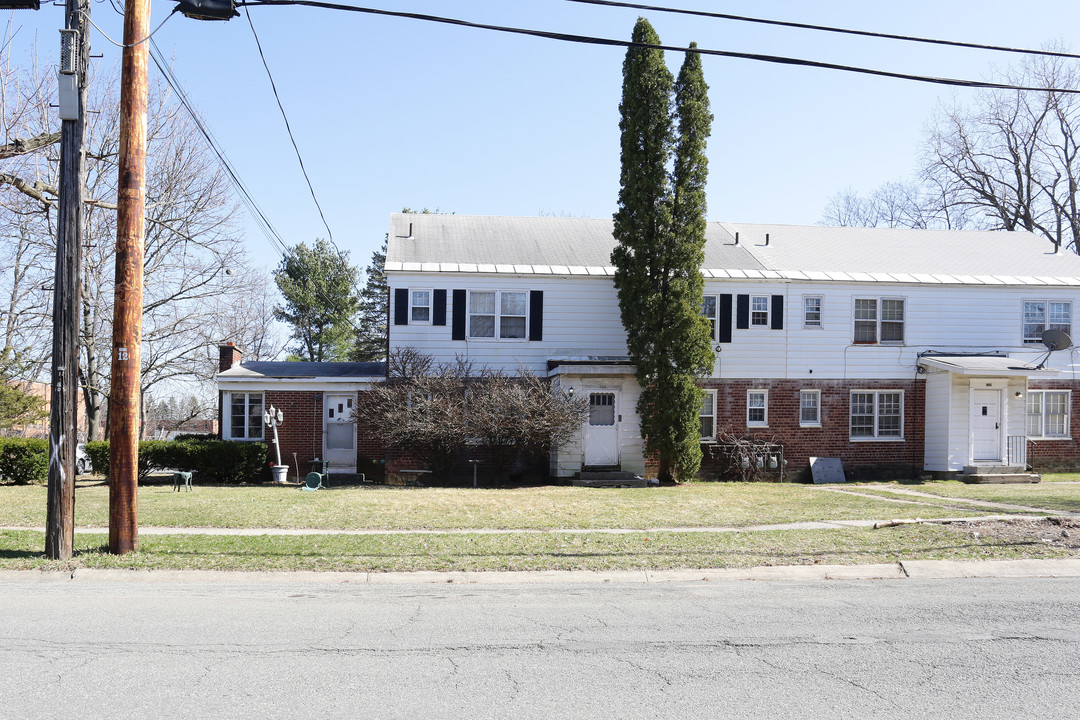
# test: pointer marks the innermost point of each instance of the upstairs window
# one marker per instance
(499, 314)
(812, 311)
(879, 320)
(420, 306)
(759, 311)
(1042, 315)
(709, 311)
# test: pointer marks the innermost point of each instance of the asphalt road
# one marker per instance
(967, 648)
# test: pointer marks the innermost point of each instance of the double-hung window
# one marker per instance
(709, 309)
(1048, 413)
(499, 314)
(877, 414)
(757, 408)
(810, 408)
(420, 306)
(811, 310)
(759, 311)
(245, 416)
(1042, 315)
(708, 416)
(879, 320)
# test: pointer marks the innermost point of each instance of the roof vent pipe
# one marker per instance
(410, 231)
(766, 239)
(736, 238)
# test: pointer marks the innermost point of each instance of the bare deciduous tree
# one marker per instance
(190, 244)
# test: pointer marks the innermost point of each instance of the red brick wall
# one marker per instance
(302, 431)
(862, 459)
(1050, 455)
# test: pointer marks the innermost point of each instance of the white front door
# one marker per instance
(339, 432)
(986, 425)
(602, 429)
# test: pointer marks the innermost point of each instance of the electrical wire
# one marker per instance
(86, 16)
(825, 28)
(288, 128)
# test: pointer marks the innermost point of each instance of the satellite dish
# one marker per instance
(1056, 340)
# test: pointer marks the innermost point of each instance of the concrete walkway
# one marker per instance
(951, 502)
(808, 525)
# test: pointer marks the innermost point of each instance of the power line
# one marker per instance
(590, 40)
(825, 28)
(288, 128)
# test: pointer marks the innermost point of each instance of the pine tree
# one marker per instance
(371, 334)
(318, 285)
(660, 228)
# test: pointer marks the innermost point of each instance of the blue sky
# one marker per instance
(393, 112)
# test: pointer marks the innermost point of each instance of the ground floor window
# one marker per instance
(708, 416)
(877, 414)
(245, 416)
(810, 408)
(1048, 413)
(757, 408)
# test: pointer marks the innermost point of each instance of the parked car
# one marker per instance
(83, 466)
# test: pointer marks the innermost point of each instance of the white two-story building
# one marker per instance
(897, 351)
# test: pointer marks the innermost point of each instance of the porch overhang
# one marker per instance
(984, 366)
(596, 365)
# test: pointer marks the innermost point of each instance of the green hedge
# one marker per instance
(24, 460)
(211, 460)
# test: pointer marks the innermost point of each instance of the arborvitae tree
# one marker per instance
(320, 299)
(371, 326)
(660, 228)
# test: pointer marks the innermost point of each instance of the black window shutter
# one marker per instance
(777, 320)
(457, 332)
(536, 315)
(724, 319)
(742, 312)
(438, 308)
(401, 306)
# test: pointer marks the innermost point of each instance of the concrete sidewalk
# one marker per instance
(906, 570)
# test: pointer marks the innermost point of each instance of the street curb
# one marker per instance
(905, 570)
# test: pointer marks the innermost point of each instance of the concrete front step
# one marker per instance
(1002, 478)
(993, 469)
(608, 478)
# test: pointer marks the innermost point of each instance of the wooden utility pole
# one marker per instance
(127, 313)
(63, 420)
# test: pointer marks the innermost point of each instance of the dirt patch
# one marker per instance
(1057, 532)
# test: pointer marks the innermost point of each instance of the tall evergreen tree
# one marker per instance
(660, 229)
(371, 328)
(318, 285)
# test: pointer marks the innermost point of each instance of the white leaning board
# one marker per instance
(827, 470)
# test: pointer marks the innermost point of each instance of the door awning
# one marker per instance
(985, 365)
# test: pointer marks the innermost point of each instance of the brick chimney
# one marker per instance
(228, 356)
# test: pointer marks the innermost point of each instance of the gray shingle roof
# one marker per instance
(306, 370)
(464, 243)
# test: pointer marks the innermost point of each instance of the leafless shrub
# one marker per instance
(745, 458)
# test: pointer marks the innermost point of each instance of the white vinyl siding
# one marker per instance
(1042, 315)
(757, 408)
(810, 408)
(245, 416)
(1048, 414)
(877, 414)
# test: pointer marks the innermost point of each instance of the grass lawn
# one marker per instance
(380, 507)
(1054, 496)
(22, 549)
